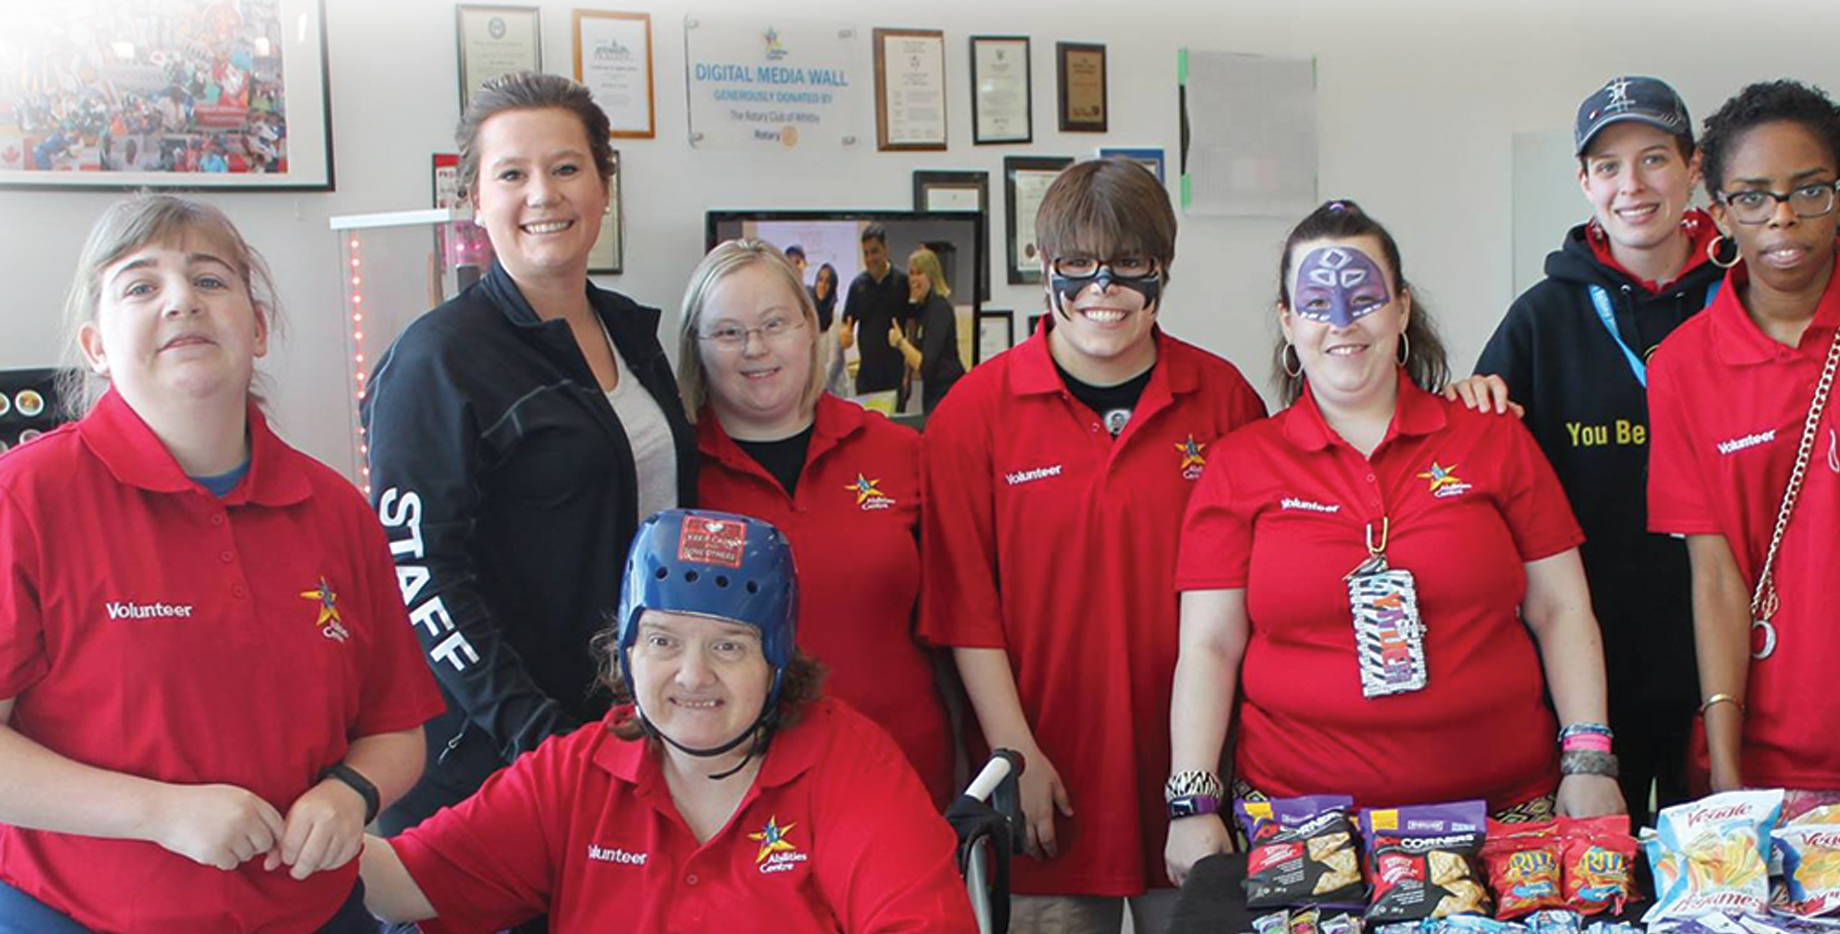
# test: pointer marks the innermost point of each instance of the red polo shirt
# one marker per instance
(150, 628)
(1728, 403)
(1283, 513)
(854, 526)
(1047, 538)
(836, 834)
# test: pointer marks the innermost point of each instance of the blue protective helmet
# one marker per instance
(713, 564)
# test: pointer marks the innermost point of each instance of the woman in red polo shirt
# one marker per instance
(1732, 391)
(202, 645)
(842, 482)
(721, 794)
(1351, 570)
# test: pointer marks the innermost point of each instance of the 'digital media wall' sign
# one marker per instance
(761, 83)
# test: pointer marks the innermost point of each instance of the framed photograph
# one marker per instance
(996, 332)
(496, 40)
(910, 89)
(959, 191)
(1025, 182)
(1149, 158)
(1080, 80)
(166, 94)
(1002, 102)
(608, 257)
(613, 57)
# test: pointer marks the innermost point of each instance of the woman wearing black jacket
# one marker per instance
(935, 359)
(518, 433)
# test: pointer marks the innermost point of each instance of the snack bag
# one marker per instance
(1302, 852)
(1811, 867)
(1711, 855)
(1307, 921)
(1422, 859)
(1523, 866)
(1278, 922)
(1555, 921)
(1599, 859)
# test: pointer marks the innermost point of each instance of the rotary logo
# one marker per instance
(1444, 481)
(1192, 459)
(869, 496)
(329, 623)
(777, 851)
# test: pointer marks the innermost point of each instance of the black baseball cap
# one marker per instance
(1644, 100)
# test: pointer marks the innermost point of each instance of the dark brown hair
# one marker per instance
(1426, 362)
(1766, 102)
(802, 684)
(1106, 208)
(530, 90)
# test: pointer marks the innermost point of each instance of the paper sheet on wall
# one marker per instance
(1249, 134)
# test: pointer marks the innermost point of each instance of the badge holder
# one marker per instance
(1388, 633)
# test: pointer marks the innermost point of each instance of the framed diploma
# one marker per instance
(613, 57)
(996, 332)
(1025, 183)
(910, 89)
(1002, 106)
(496, 40)
(1081, 80)
(608, 256)
(959, 191)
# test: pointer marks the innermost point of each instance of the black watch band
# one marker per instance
(373, 802)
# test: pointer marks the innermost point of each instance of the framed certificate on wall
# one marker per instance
(496, 40)
(608, 255)
(1025, 183)
(613, 58)
(1080, 79)
(1002, 108)
(910, 89)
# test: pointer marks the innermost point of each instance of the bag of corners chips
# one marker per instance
(1302, 852)
(1711, 855)
(1423, 860)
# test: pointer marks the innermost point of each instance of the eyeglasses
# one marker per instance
(735, 337)
(1757, 206)
(1086, 267)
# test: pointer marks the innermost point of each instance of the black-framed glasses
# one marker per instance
(730, 336)
(1086, 267)
(1758, 205)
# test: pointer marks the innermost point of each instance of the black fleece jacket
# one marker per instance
(507, 486)
(1590, 415)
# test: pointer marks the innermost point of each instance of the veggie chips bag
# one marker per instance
(1712, 855)
(1811, 867)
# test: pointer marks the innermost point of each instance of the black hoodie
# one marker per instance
(1590, 415)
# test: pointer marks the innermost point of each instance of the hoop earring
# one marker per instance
(1284, 360)
(1712, 252)
(1405, 348)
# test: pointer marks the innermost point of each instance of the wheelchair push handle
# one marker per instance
(1003, 766)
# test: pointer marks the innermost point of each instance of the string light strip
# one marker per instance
(360, 375)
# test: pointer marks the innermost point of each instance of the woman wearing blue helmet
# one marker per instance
(719, 787)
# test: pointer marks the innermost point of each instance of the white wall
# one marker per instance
(1419, 101)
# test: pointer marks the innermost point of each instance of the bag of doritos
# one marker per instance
(1422, 860)
(1711, 855)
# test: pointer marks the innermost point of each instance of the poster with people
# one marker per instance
(200, 93)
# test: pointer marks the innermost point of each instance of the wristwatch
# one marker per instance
(373, 802)
(1191, 805)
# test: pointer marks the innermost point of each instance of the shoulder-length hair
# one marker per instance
(723, 261)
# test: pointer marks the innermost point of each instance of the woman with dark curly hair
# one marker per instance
(1744, 461)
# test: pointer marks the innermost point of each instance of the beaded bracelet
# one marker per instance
(1586, 729)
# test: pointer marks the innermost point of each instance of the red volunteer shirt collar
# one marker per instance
(115, 433)
(637, 762)
(1416, 412)
(1033, 373)
(1697, 225)
(1738, 340)
(832, 422)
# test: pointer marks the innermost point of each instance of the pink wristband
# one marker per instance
(1594, 742)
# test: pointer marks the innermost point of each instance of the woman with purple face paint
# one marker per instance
(1373, 579)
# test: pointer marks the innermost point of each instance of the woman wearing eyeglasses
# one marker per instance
(842, 483)
(1744, 462)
